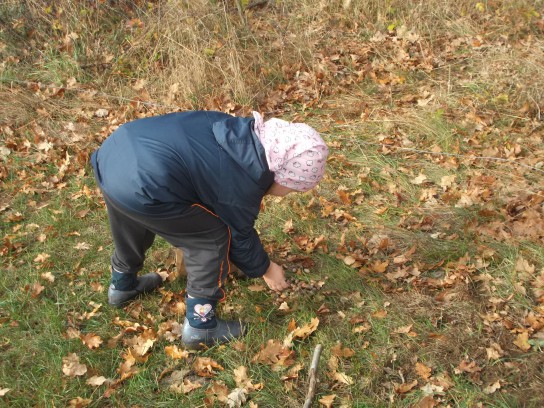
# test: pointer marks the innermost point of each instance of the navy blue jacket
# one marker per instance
(160, 166)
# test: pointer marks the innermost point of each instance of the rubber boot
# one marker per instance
(144, 284)
(201, 328)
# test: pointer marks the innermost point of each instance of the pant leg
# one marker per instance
(202, 236)
(131, 239)
(205, 242)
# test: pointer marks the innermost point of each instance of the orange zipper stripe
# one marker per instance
(220, 279)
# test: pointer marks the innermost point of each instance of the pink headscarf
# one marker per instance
(295, 152)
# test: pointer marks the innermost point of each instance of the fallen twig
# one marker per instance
(313, 376)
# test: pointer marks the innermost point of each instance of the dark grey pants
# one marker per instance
(202, 236)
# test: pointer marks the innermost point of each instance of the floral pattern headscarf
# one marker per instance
(295, 152)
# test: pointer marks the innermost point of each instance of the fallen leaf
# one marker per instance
(423, 371)
(494, 352)
(72, 333)
(379, 267)
(420, 179)
(36, 289)
(4, 391)
(217, 391)
(82, 246)
(427, 402)
(275, 354)
(189, 386)
(447, 181)
(292, 325)
(343, 378)
(522, 265)
(80, 402)
(97, 287)
(379, 314)
(288, 227)
(48, 276)
(176, 377)
(143, 343)
(467, 367)
(71, 366)
(205, 366)
(82, 213)
(175, 352)
(91, 340)
(284, 307)
(101, 113)
(403, 329)
(522, 341)
(305, 331)
(327, 400)
(243, 381)
(491, 388)
(292, 373)
(301, 332)
(96, 381)
(41, 258)
(406, 387)
(349, 260)
(342, 352)
(344, 196)
(237, 398)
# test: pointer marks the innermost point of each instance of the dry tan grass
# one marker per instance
(198, 53)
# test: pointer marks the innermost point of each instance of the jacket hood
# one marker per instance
(237, 138)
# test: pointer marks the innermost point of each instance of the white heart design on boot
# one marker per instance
(203, 310)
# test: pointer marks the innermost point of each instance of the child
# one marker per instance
(197, 179)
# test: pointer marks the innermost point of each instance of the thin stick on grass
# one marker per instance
(313, 376)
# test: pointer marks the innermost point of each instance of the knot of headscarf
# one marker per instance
(295, 152)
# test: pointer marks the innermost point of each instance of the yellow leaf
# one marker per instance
(423, 371)
(302, 332)
(380, 267)
(522, 341)
(327, 400)
(175, 352)
(343, 378)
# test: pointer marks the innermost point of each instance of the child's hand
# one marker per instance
(275, 277)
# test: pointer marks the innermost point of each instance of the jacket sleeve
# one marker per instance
(246, 249)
